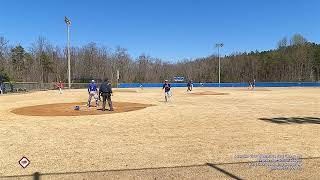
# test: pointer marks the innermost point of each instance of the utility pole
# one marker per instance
(68, 22)
(219, 45)
(118, 77)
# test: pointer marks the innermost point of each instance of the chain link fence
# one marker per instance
(12, 87)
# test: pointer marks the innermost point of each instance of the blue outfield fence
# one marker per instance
(29, 86)
(264, 84)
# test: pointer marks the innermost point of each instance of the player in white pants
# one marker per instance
(167, 93)
(60, 86)
(92, 90)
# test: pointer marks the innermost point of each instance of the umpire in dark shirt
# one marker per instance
(105, 91)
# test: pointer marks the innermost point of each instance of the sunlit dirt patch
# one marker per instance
(255, 89)
(209, 93)
(126, 90)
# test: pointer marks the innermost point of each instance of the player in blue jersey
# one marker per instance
(167, 93)
(190, 86)
(93, 92)
(253, 84)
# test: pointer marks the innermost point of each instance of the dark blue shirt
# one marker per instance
(166, 87)
(105, 88)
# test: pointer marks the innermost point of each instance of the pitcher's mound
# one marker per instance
(67, 109)
(209, 93)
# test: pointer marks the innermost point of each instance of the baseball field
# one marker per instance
(211, 133)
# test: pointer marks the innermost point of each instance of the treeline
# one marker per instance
(295, 59)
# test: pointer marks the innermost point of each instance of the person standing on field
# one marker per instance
(105, 91)
(189, 85)
(250, 84)
(253, 84)
(92, 90)
(167, 93)
(60, 86)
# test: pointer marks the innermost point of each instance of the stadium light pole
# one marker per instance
(219, 45)
(68, 22)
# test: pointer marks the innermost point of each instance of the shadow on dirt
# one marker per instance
(292, 120)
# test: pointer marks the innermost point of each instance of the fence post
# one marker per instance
(36, 176)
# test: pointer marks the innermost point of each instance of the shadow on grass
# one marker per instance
(292, 120)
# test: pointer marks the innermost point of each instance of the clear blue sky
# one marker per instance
(168, 29)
